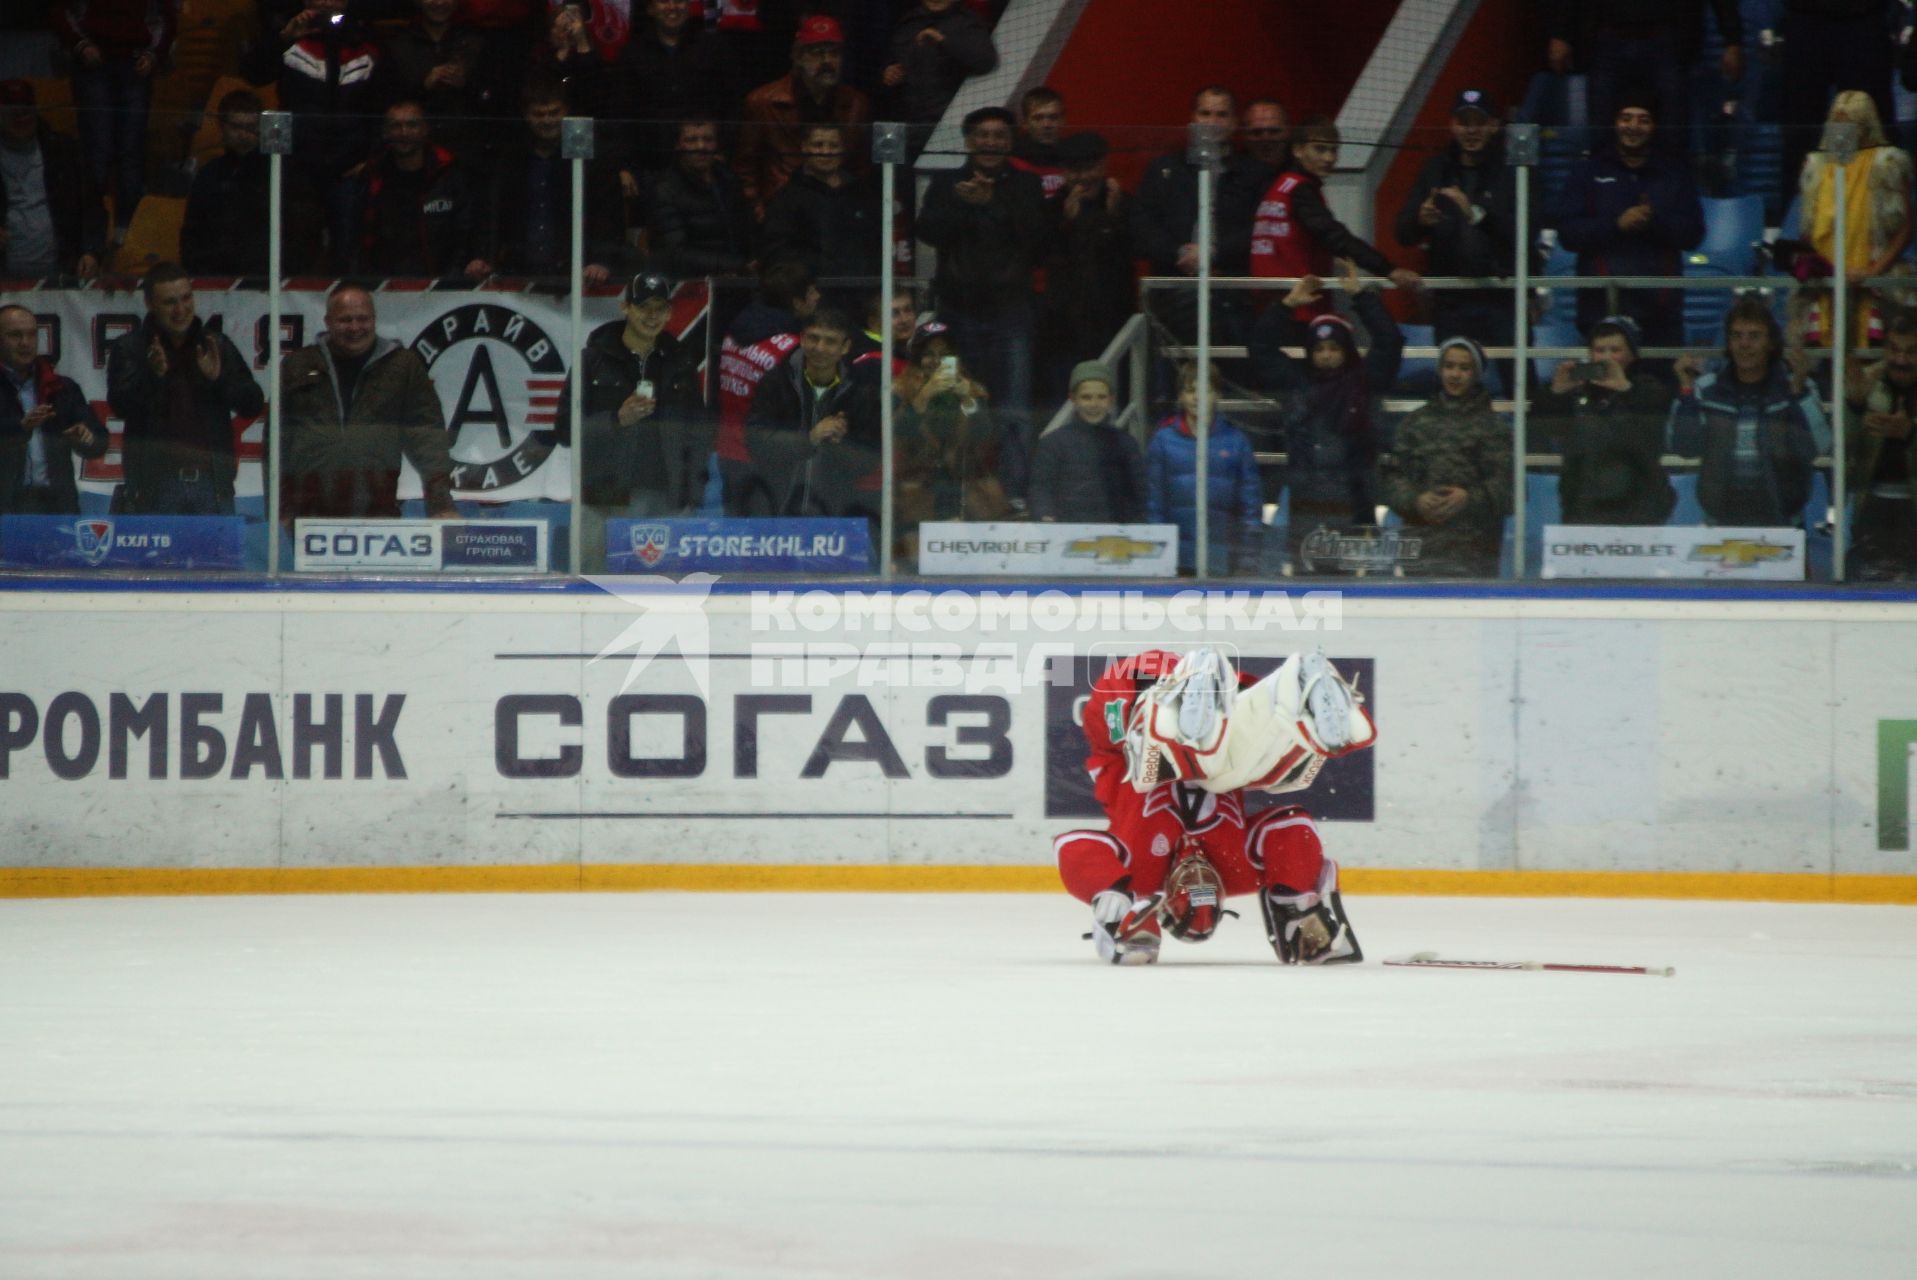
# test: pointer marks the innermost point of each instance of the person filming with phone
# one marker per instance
(1608, 417)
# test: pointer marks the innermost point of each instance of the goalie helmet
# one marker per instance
(1194, 900)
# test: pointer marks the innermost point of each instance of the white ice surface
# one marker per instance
(788, 1086)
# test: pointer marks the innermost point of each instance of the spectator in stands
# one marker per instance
(1266, 131)
(1629, 211)
(1295, 234)
(1608, 420)
(1088, 468)
(227, 220)
(116, 48)
(325, 62)
(813, 429)
(1165, 221)
(1876, 227)
(51, 221)
(824, 217)
(344, 462)
(645, 440)
(903, 315)
(701, 222)
(420, 208)
(432, 61)
(1463, 213)
(936, 46)
(1089, 289)
(947, 440)
(1831, 46)
(1651, 42)
(771, 147)
(1880, 405)
(990, 226)
(670, 72)
(569, 56)
(1235, 503)
(178, 385)
(1756, 423)
(1041, 127)
(45, 422)
(529, 214)
(1450, 471)
(760, 339)
(1332, 434)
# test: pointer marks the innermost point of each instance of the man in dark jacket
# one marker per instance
(1089, 291)
(45, 422)
(760, 338)
(529, 215)
(227, 218)
(701, 223)
(990, 226)
(1629, 211)
(1165, 221)
(1610, 429)
(324, 60)
(670, 72)
(432, 61)
(51, 219)
(418, 206)
(815, 93)
(1880, 443)
(1463, 213)
(177, 386)
(352, 406)
(935, 48)
(1756, 423)
(824, 217)
(646, 437)
(814, 427)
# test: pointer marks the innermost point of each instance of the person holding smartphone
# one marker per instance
(1609, 415)
(646, 433)
(948, 440)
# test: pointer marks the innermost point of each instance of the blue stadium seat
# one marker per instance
(1418, 375)
(1541, 507)
(1760, 165)
(1705, 309)
(1563, 305)
(1732, 230)
(1547, 333)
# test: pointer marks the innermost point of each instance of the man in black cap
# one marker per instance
(1463, 213)
(51, 219)
(1629, 210)
(645, 439)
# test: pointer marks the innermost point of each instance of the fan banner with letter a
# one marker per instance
(498, 358)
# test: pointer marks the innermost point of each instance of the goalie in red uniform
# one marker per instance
(1176, 741)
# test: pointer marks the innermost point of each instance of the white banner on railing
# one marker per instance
(1049, 550)
(421, 546)
(498, 359)
(1690, 551)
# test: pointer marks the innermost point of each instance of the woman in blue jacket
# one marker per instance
(1236, 500)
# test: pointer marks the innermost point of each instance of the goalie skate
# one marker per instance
(1125, 930)
(1310, 928)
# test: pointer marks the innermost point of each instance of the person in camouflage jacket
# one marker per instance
(1449, 474)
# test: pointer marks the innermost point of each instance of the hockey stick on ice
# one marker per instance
(1430, 960)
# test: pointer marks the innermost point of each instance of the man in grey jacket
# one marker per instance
(352, 406)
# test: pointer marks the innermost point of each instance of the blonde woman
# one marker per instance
(1876, 226)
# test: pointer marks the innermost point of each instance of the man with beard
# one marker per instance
(776, 113)
(1629, 211)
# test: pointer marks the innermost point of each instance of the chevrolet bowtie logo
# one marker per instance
(1739, 553)
(1112, 548)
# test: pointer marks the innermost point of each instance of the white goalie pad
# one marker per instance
(1274, 736)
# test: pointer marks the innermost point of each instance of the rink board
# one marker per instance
(206, 742)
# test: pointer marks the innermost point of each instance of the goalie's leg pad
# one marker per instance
(1284, 845)
(1125, 929)
(1090, 861)
(1310, 927)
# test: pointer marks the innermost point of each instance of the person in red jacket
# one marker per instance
(1295, 234)
(1175, 742)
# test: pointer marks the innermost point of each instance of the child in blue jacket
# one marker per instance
(1236, 498)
